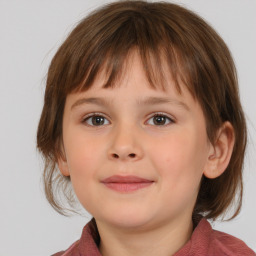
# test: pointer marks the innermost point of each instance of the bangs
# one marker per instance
(116, 64)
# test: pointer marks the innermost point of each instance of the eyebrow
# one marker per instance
(140, 102)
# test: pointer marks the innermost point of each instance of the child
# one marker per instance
(142, 116)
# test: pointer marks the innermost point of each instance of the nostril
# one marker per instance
(132, 155)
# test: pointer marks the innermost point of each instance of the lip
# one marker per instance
(126, 184)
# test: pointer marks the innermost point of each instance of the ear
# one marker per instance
(62, 162)
(221, 152)
(63, 166)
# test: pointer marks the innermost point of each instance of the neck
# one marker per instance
(163, 240)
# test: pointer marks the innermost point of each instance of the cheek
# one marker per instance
(82, 155)
(83, 162)
(181, 157)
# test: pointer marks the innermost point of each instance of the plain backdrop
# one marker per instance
(30, 33)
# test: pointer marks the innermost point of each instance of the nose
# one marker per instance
(125, 145)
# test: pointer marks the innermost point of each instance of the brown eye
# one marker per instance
(96, 120)
(160, 120)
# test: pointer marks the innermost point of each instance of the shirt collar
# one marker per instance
(90, 239)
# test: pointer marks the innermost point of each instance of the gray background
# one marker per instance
(30, 33)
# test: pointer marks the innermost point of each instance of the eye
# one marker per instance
(160, 120)
(95, 120)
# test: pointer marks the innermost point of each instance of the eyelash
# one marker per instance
(86, 118)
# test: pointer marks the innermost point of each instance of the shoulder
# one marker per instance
(229, 245)
(87, 245)
(210, 242)
(72, 250)
(220, 243)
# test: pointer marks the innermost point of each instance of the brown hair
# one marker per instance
(160, 32)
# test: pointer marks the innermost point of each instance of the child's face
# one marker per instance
(127, 140)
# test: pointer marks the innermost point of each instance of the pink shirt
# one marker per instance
(204, 242)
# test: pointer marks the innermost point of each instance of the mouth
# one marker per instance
(126, 184)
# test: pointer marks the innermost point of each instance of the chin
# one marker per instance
(127, 220)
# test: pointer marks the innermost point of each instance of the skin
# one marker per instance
(173, 154)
